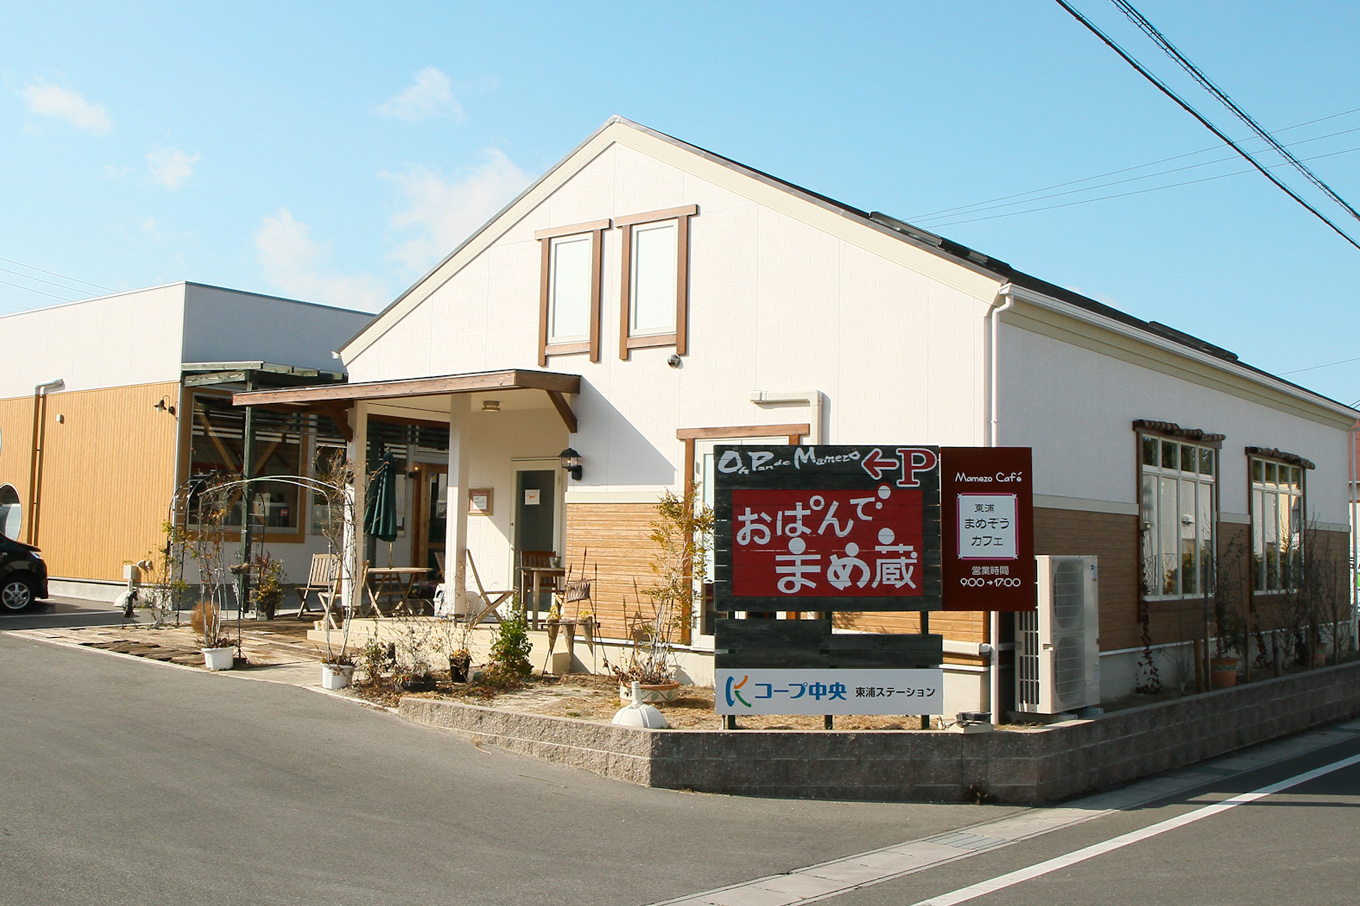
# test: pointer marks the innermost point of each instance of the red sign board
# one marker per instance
(814, 543)
(987, 519)
(830, 527)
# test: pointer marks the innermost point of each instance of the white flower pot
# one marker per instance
(665, 692)
(219, 658)
(336, 676)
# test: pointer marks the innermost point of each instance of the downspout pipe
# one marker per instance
(810, 398)
(1007, 302)
(40, 392)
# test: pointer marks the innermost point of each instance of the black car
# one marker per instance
(23, 575)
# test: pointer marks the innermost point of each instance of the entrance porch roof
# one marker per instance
(415, 399)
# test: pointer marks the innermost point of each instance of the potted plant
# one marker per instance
(268, 591)
(681, 531)
(454, 641)
(337, 671)
(219, 653)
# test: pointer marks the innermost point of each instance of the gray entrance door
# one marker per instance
(535, 503)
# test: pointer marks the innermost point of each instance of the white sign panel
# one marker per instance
(987, 527)
(829, 691)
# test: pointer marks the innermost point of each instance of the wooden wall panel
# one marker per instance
(16, 444)
(613, 538)
(1113, 538)
(108, 473)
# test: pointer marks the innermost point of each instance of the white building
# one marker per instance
(646, 299)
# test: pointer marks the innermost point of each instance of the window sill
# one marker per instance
(660, 339)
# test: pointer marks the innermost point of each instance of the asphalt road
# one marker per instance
(126, 781)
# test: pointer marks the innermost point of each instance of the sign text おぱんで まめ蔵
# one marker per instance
(826, 528)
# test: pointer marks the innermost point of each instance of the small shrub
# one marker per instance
(510, 646)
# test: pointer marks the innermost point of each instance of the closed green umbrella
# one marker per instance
(380, 510)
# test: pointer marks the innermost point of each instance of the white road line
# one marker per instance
(840, 876)
(982, 888)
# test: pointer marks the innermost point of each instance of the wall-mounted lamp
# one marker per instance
(491, 405)
(163, 405)
(571, 462)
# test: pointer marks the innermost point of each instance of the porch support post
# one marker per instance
(355, 542)
(455, 538)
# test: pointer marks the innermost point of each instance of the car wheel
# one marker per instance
(17, 593)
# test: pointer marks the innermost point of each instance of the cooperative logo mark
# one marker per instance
(733, 696)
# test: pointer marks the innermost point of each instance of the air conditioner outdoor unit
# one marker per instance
(1057, 646)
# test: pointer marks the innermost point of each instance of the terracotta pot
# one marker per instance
(1223, 672)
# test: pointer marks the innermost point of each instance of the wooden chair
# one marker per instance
(538, 566)
(490, 599)
(324, 579)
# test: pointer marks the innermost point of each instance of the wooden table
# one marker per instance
(393, 583)
(531, 577)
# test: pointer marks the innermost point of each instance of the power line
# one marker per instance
(54, 274)
(1152, 32)
(1006, 200)
(32, 290)
(1197, 115)
(1072, 204)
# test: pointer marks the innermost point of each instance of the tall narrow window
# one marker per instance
(569, 291)
(1178, 514)
(654, 294)
(1276, 523)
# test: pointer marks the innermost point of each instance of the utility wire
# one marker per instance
(32, 290)
(1071, 204)
(1005, 201)
(1151, 31)
(982, 206)
(1166, 160)
(29, 267)
(1204, 122)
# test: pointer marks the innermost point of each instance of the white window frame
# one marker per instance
(1178, 557)
(1277, 512)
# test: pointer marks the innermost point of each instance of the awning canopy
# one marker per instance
(424, 399)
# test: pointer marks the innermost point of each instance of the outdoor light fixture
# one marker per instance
(491, 405)
(163, 405)
(571, 461)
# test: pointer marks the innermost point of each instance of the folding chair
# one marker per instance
(324, 579)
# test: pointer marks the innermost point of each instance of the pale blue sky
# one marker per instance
(333, 152)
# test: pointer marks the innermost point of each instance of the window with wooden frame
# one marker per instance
(569, 290)
(654, 292)
(1277, 527)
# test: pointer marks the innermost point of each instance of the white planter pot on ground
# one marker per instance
(219, 658)
(336, 676)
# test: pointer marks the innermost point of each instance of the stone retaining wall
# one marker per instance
(1026, 766)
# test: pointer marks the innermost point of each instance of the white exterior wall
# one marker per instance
(776, 304)
(113, 341)
(1076, 407)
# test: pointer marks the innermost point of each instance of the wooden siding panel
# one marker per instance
(108, 474)
(613, 539)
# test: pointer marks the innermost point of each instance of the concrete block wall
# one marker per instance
(1022, 765)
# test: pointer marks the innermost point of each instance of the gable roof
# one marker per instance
(935, 256)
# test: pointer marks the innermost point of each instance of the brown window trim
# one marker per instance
(596, 230)
(679, 339)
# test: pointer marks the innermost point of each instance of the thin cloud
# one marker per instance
(299, 266)
(170, 166)
(440, 213)
(428, 97)
(46, 99)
